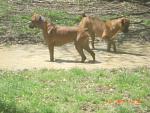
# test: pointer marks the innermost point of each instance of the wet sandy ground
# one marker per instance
(19, 57)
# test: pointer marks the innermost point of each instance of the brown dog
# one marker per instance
(104, 29)
(58, 35)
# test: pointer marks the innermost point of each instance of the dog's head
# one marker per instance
(125, 23)
(37, 21)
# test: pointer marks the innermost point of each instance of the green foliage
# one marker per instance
(138, 0)
(141, 1)
(125, 109)
(4, 8)
(59, 17)
(147, 22)
(18, 22)
(73, 91)
(14, 21)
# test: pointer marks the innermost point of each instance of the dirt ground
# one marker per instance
(20, 57)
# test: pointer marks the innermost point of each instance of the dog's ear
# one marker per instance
(124, 21)
(41, 18)
(83, 15)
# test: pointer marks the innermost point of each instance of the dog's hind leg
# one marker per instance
(93, 39)
(87, 48)
(80, 51)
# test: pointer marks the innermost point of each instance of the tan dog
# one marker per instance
(104, 29)
(58, 35)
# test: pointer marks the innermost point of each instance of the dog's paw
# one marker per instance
(91, 61)
(51, 60)
(83, 60)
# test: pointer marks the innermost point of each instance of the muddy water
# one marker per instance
(19, 57)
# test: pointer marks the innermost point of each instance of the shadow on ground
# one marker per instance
(73, 61)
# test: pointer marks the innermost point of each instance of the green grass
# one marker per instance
(15, 16)
(18, 22)
(59, 17)
(74, 91)
(147, 22)
(5, 8)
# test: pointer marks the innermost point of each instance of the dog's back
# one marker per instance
(65, 34)
(93, 24)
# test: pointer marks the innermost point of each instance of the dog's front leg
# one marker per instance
(51, 52)
(93, 39)
(108, 41)
(108, 46)
(114, 45)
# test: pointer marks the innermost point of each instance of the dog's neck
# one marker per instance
(44, 28)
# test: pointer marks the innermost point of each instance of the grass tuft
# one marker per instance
(75, 90)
